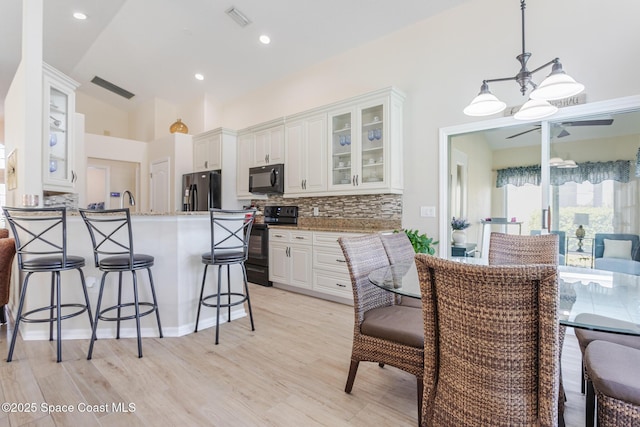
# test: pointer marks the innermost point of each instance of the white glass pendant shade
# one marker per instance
(484, 104)
(535, 109)
(557, 85)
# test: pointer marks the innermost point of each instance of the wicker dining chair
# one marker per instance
(515, 249)
(384, 332)
(399, 251)
(495, 343)
(586, 336)
(615, 381)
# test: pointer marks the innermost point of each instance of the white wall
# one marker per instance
(102, 118)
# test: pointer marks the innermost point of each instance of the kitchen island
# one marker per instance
(177, 241)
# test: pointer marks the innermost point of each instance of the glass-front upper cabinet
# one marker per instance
(58, 144)
(372, 134)
(366, 144)
(342, 148)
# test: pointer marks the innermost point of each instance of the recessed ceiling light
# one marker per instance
(79, 15)
(264, 39)
(199, 76)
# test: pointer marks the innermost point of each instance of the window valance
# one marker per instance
(593, 172)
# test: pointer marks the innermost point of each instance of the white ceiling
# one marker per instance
(153, 48)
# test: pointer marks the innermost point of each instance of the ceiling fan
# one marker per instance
(562, 125)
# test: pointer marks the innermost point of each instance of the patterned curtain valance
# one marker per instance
(593, 172)
(518, 176)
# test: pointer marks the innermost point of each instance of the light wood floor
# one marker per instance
(290, 372)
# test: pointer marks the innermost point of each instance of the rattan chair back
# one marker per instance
(505, 249)
(363, 255)
(398, 247)
(495, 346)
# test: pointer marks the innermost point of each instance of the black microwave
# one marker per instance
(267, 179)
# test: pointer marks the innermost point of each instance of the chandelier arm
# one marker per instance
(552, 62)
(504, 79)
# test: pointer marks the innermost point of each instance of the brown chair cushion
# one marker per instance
(411, 302)
(585, 336)
(614, 370)
(395, 323)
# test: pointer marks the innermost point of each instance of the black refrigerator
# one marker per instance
(201, 191)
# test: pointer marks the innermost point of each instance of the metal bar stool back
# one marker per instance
(41, 247)
(230, 232)
(112, 239)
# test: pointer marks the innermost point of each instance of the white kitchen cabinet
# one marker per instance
(243, 163)
(59, 172)
(306, 155)
(268, 146)
(290, 257)
(365, 144)
(330, 270)
(207, 151)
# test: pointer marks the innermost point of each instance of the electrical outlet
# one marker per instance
(428, 211)
(316, 211)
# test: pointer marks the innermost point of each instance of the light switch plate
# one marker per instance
(428, 211)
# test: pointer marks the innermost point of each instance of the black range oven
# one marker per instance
(257, 263)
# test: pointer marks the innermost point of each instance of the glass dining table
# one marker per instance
(607, 294)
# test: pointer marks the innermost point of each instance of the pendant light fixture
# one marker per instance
(557, 85)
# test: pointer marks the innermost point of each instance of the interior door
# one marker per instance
(160, 185)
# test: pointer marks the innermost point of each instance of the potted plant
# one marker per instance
(420, 242)
(458, 235)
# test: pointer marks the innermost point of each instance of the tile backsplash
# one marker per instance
(374, 206)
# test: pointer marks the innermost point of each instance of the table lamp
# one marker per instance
(580, 219)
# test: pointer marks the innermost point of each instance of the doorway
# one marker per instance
(555, 195)
(108, 179)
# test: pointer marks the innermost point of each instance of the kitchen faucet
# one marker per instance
(132, 200)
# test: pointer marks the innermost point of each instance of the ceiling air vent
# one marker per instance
(240, 18)
(111, 87)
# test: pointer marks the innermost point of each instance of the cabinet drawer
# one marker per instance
(333, 283)
(301, 237)
(279, 235)
(330, 239)
(330, 259)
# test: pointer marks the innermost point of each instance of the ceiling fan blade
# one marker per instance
(597, 122)
(522, 133)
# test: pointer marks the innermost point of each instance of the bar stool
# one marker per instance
(230, 231)
(112, 240)
(41, 247)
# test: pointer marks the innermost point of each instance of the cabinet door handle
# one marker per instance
(299, 237)
(357, 180)
(278, 235)
(341, 285)
(206, 163)
(353, 180)
(340, 260)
